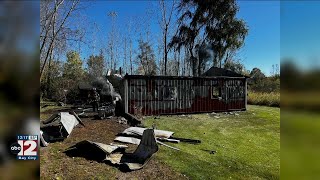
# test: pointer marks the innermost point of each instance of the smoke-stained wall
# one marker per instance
(155, 95)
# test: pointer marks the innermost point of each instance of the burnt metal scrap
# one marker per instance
(133, 135)
(93, 150)
(106, 111)
(136, 160)
(115, 154)
(58, 127)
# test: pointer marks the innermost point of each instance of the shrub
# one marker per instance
(263, 98)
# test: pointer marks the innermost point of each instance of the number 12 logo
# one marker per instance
(28, 147)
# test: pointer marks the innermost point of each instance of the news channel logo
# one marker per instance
(26, 147)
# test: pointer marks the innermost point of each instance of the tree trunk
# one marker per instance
(131, 57)
(125, 55)
(178, 63)
(49, 95)
(199, 63)
(165, 51)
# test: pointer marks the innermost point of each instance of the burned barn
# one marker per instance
(217, 90)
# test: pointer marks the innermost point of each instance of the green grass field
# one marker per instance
(247, 145)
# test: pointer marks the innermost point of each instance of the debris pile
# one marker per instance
(58, 127)
(115, 154)
(218, 115)
(133, 135)
(122, 120)
(107, 111)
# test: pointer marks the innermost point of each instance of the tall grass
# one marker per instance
(267, 99)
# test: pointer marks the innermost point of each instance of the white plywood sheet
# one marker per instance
(68, 121)
(139, 131)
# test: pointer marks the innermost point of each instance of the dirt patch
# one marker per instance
(55, 164)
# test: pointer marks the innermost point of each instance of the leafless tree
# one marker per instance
(113, 40)
(132, 29)
(167, 8)
(55, 32)
(130, 56)
(125, 63)
(160, 55)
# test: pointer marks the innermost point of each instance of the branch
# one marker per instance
(50, 23)
(74, 4)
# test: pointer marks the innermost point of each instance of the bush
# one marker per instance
(266, 99)
(267, 85)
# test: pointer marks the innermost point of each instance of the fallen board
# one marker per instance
(139, 131)
(130, 140)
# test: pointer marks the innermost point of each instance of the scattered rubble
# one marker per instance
(186, 116)
(58, 127)
(122, 120)
(139, 131)
(135, 134)
(93, 150)
(131, 119)
(146, 148)
(217, 115)
(115, 154)
(106, 111)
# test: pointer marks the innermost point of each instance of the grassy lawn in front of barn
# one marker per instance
(247, 145)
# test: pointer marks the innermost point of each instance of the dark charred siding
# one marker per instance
(156, 95)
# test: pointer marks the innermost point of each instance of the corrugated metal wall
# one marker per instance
(155, 95)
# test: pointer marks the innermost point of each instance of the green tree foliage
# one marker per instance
(215, 22)
(256, 74)
(51, 80)
(73, 73)
(96, 66)
(73, 67)
(146, 59)
(235, 66)
(54, 91)
(261, 83)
